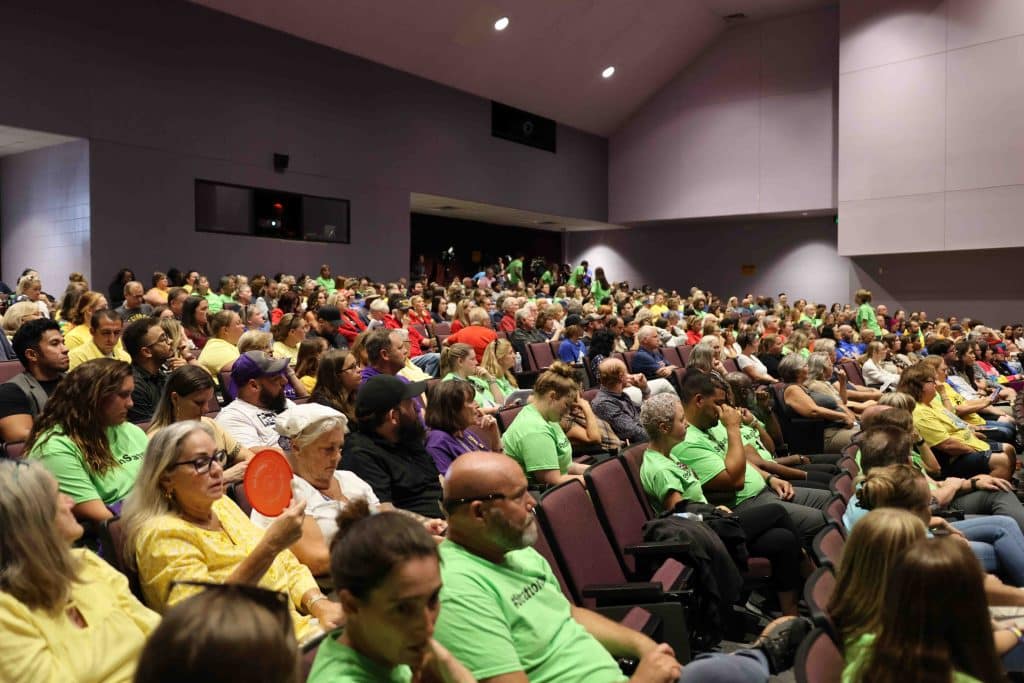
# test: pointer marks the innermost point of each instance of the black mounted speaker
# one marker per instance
(280, 162)
(516, 125)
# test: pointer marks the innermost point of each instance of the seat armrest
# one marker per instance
(660, 549)
(624, 593)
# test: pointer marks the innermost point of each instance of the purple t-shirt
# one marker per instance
(444, 448)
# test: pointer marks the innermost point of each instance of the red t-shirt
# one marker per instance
(476, 336)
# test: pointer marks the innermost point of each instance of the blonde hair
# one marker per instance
(15, 313)
(26, 283)
(36, 565)
(868, 556)
(898, 399)
(559, 378)
(255, 340)
(495, 350)
(896, 486)
(174, 331)
(147, 500)
(453, 355)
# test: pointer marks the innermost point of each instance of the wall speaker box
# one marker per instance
(516, 125)
(280, 162)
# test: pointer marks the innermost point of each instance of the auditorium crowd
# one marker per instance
(770, 448)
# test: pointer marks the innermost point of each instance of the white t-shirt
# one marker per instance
(322, 509)
(252, 426)
(744, 361)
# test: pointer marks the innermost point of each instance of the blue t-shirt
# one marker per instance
(648, 362)
(571, 352)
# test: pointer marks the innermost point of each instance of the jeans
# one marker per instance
(428, 363)
(746, 666)
(998, 543)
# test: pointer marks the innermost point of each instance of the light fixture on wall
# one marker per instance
(608, 72)
(501, 24)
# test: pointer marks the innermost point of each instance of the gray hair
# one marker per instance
(647, 331)
(816, 364)
(825, 346)
(657, 411)
(790, 367)
(701, 358)
(379, 306)
(316, 429)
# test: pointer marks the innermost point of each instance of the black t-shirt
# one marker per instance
(401, 474)
(13, 400)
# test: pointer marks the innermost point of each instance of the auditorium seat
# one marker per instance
(835, 510)
(684, 353)
(802, 435)
(672, 356)
(818, 660)
(112, 548)
(817, 593)
(15, 450)
(442, 329)
(505, 416)
(540, 354)
(10, 368)
(730, 365)
(828, 546)
(853, 371)
(842, 484)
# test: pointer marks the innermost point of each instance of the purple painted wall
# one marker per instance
(44, 211)
(931, 125)
(748, 128)
(796, 256)
(799, 256)
(168, 91)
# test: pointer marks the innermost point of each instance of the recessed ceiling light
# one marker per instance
(608, 72)
(501, 24)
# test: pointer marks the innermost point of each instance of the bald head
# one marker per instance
(611, 372)
(490, 511)
(480, 473)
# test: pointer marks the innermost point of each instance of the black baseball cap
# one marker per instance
(384, 392)
(329, 313)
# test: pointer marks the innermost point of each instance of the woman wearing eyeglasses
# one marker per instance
(337, 380)
(188, 392)
(387, 572)
(179, 526)
(83, 437)
(65, 614)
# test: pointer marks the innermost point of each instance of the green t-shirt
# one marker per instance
(866, 318)
(536, 443)
(327, 283)
(339, 663)
(483, 396)
(858, 651)
(705, 453)
(216, 302)
(599, 291)
(576, 278)
(750, 436)
(515, 271)
(660, 476)
(61, 456)
(502, 618)
(547, 278)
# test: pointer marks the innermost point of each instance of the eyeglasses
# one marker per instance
(202, 465)
(277, 603)
(352, 368)
(455, 502)
(162, 339)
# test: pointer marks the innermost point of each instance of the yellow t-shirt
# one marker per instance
(956, 398)
(216, 354)
(76, 336)
(657, 310)
(41, 647)
(309, 382)
(90, 351)
(935, 426)
(170, 549)
(282, 350)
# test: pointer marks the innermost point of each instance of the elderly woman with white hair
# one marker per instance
(317, 434)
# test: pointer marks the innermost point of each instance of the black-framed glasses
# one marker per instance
(455, 502)
(163, 338)
(202, 464)
(276, 602)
